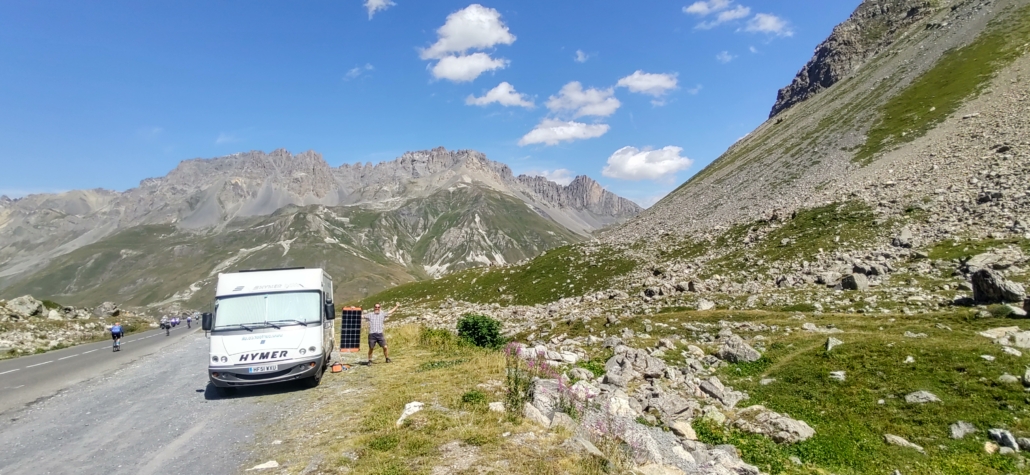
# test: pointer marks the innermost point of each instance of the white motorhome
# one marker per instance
(270, 326)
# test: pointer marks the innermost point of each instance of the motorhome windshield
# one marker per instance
(267, 309)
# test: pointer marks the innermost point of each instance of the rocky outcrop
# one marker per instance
(871, 29)
(779, 427)
(990, 287)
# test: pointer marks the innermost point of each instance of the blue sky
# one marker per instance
(638, 95)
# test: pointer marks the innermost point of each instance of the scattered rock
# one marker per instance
(832, 343)
(735, 350)
(1008, 379)
(779, 427)
(990, 447)
(265, 466)
(1004, 438)
(961, 429)
(683, 429)
(409, 409)
(921, 397)
(704, 304)
(909, 334)
(901, 442)
(531, 413)
(909, 360)
(855, 282)
(497, 406)
(838, 375)
(903, 239)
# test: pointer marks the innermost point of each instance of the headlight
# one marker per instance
(302, 351)
(312, 349)
(225, 360)
(214, 359)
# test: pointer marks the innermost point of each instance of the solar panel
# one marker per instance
(350, 329)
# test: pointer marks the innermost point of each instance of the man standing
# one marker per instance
(375, 320)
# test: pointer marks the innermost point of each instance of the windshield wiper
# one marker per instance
(235, 325)
(295, 322)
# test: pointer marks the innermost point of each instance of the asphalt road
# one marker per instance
(147, 409)
(29, 378)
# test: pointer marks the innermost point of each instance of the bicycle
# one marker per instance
(117, 344)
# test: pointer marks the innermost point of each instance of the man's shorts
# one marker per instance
(115, 336)
(374, 338)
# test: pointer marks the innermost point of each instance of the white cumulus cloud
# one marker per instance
(504, 94)
(553, 131)
(374, 6)
(560, 176)
(474, 27)
(466, 68)
(590, 102)
(647, 83)
(724, 57)
(630, 163)
(581, 57)
(770, 24)
(736, 13)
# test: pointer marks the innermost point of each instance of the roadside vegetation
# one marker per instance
(50, 335)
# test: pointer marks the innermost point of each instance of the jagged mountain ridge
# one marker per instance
(872, 28)
(207, 195)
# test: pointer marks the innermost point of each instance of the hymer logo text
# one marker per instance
(263, 355)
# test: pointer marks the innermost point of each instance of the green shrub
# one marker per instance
(384, 443)
(594, 365)
(51, 305)
(480, 330)
(474, 399)
(1000, 311)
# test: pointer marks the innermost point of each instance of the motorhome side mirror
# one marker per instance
(205, 322)
(330, 311)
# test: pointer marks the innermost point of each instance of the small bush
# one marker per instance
(384, 443)
(595, 366)
(480, 330)
(474, 399)
(51, 305)
(1000, 311)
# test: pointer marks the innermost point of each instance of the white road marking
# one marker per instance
(90, 351)
(66, 357)
(10, 371)
(39, 364)
(16, 387)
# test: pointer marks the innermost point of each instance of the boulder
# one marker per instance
(778, 427)
(855, 282)
(832, 343)
(1004, 438)
(901, 442)
(703, 305)
(921, 397)
(735, 350)
(990, 287)
(107, 309)
(581, 373)
(961, 429)
(24, 307)
(903, 239)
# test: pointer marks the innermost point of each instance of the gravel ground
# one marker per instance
(156, 415)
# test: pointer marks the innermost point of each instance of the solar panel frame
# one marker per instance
(350, 329)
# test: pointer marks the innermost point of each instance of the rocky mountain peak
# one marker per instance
(4, 201)
(872, 28)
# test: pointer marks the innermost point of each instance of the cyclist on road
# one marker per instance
(116, 335)
(166, 325)
(189, 322)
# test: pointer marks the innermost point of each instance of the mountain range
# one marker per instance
(419, 216)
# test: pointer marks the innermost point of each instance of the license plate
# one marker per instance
(264, 369)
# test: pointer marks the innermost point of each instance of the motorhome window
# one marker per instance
(262, 308)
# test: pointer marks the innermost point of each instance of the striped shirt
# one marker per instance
(375, 320)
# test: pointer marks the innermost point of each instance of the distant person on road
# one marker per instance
(116, 334)
(376, 319)
(189, 322)
(166, 325)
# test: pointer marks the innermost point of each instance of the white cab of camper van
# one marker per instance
(270, 326)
